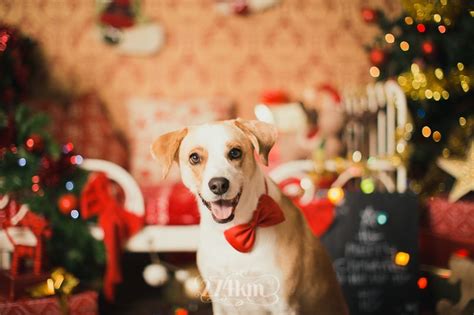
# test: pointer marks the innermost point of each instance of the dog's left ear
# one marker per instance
(261, 134)
(165, 149)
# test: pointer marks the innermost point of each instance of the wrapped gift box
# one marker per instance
(445, 228)
(84, 303)
(170, 204)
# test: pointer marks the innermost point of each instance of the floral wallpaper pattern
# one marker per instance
(298, 44)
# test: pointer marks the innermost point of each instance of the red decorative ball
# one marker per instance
(421, 28)
(34, 143)
(369, 15)
(67, 202)
(427, 47)
(377, 56)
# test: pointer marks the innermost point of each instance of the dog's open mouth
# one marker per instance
(222, 210)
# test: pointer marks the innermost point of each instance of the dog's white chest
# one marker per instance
(216, 257)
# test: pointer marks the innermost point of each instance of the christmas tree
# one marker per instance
(34, 169)
(429, 51)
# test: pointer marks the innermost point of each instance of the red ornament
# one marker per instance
(274, 97)
(427, 47)
(421, 28)
(67, 202)
(34, 143)
(377, 56)
(369, 15)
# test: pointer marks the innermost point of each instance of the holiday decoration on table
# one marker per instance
(463, 171)
(325, 101)
(291, 120)
(244, 7)
(123, 26)
(428, 50)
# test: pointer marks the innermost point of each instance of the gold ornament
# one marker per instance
(463, 171)
(60, 282)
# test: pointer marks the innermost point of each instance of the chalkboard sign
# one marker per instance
(373, 243)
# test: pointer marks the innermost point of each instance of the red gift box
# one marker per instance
(84, 303)
(452, 220)
(170, 204)
(446, 228)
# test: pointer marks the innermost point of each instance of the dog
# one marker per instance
(239, 235)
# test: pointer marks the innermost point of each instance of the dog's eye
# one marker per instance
(235, 154)
(194, 158)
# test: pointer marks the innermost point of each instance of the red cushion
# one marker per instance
(170, 204)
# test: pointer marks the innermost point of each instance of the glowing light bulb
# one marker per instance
(374, 72)
(422, 283)
(402, 259)
(389, 38)
(382, 218)
(426, 131)
(404, 46)
(367, 186)
(335, 195)
(74, 214)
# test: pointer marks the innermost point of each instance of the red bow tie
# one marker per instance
(242, 236)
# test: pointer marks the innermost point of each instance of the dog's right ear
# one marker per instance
(165, 149)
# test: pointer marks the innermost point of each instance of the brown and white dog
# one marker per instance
(218, 165)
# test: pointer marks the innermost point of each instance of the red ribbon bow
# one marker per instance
(242, 236)
(117, 223)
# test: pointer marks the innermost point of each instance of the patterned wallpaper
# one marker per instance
(297, 44)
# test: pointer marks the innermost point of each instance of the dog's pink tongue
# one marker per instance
(221, 209)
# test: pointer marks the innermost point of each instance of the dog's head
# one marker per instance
(217, 160)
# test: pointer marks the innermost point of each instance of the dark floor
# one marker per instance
(136, 297)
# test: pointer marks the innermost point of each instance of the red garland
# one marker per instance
(118, 225)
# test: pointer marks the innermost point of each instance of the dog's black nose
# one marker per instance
(219, 185)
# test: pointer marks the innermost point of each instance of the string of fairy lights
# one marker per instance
(430, 83)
